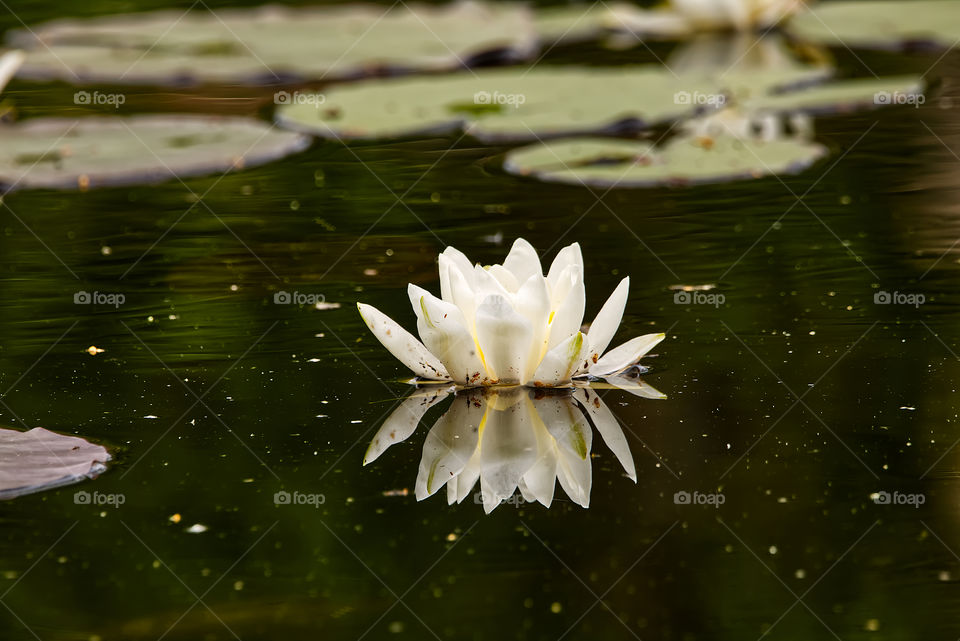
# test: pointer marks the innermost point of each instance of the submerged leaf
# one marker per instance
(39, 460)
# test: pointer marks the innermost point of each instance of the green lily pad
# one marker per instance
(272, 44)
(519, 104)
(39, 460)
(880, 24)
(683, 160)
(94, 152)
(844, 96)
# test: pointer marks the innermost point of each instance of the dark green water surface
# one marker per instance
(290, 396)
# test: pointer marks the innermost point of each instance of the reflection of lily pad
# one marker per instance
(272, 43)
(681, 161)
(92, 152)
(880, 24)
(511, 104)
(40, 459)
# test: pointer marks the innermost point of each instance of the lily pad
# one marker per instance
(273, 44)
(881, 24)
(683, 160)
(39, 460)
(94, 152)
(515, 104)
(844, 96)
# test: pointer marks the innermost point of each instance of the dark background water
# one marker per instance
(290, 396)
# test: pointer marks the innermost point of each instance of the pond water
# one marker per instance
(792, 402)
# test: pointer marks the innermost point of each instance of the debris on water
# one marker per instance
(150, 416)
(197, 528)
(324, 306)
(400, 492)
(175, 518)
(692, 288)
(93, 350)
(907, 407)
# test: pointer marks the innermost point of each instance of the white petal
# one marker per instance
(404, 420)
(448, 446)
(9, 63)
(505, 277)
(533, 303)
(622, 357)
(407, 349)
(568, 299)
(443, 330)
(605, 325)
(560, 363)
(523, 261)
(609, 428)
(505, 339)
(485, 284)
(462, 294)
(569, 255)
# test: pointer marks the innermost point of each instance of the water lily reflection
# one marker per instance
(510, 439)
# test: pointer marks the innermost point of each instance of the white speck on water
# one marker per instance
(197, 528)
(907, 407)
(356, 422)
(150, 416)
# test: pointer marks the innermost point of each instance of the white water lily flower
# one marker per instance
(9, 63)
(509, 324)
(508, 439)
(735, 14)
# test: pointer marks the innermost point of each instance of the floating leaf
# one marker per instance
(272, 44)
(881, 24)
(681, 18)
(844, 96)
(93, 152)
(39, 460)
(681, 161)
(517, 104)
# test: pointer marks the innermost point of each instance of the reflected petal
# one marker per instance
(404, 420)
(508, 446)
(609, 428)
(449, 445)
(401, 343)
(571, 432)
(636, 387)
